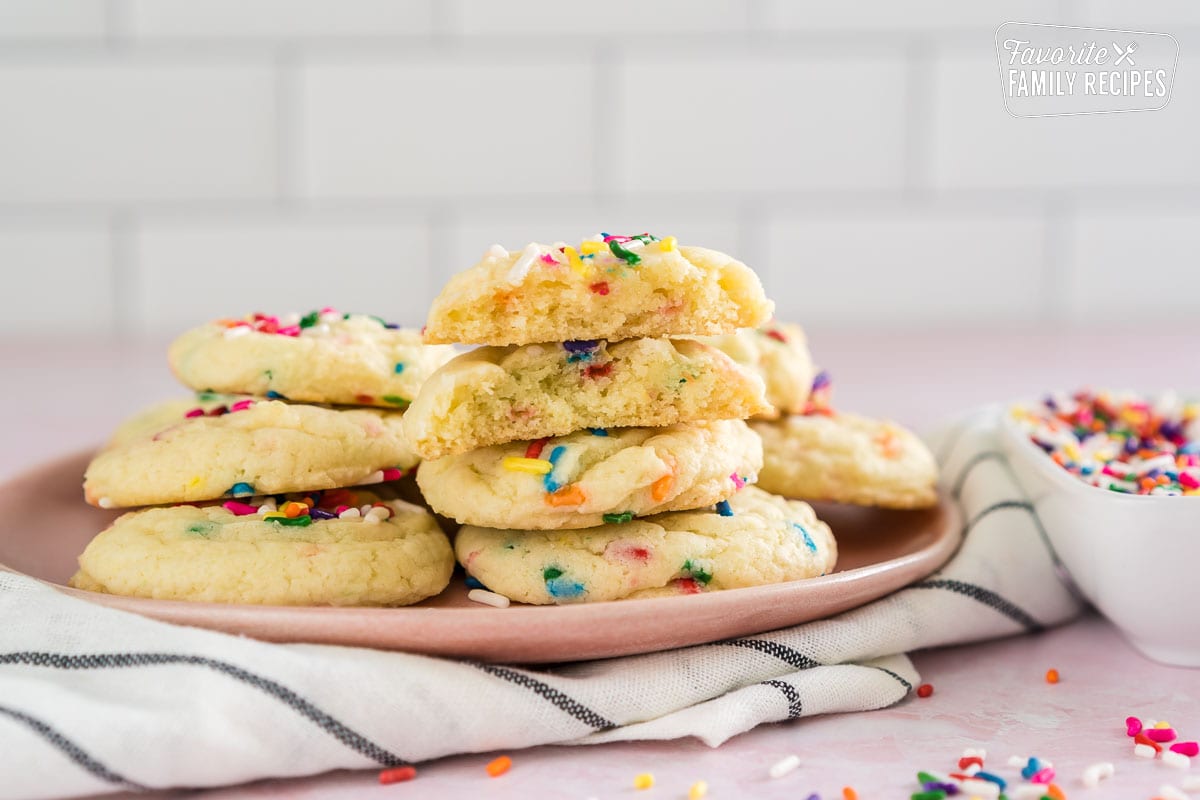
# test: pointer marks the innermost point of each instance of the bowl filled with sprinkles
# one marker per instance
(1114, 478)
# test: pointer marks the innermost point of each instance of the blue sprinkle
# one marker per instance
(808, 542)
(391, 326)
(1031, 768)
(474, 583)
(399, 367)
(996, 779)
(580, 345)
(598, 431)
(320, 513)
(564, 587)
(548, 479)
(723, 509)
(240, 490)
(272, 395)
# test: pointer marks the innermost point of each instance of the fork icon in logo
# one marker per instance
(1125, 54)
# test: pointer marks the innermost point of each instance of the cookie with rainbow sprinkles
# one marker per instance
(215, 446)
(753, 539)
(344, 547)
(594, 477)
(321, 357)
(608, 287)
(494, 395)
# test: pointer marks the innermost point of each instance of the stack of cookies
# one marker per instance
(588, 454)
(277, 482)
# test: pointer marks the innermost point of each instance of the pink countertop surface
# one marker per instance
(64, 396)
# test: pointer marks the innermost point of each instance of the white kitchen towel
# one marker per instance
(95, 700)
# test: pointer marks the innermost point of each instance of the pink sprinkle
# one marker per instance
(392, 474)
(241, 405)
(738, 482)
(1162, 735)
(240, 509)
(549, 259)
(290, 330)
(339, 509)
(328, 310)
(1133, 725)
(1189, 749)
(1108, 470)
(1043, 775)
(1187, 480)
(195, 412)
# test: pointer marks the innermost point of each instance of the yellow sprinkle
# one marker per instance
(195, 481)
(643, 781)
(699, 789)
(534, 466)
(590, 248)
(573, 260)
(275, 515)
(667, 244)
(1162, 725)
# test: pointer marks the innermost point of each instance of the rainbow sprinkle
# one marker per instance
(1123, 443)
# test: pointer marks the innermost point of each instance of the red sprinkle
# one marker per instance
(364, 398)
(535, 448)
(598, 370)
(967, 761)
(600, 287)
(397, 775)
(689, 586)
(777, 336)
(393, 474)
(925, 690)
(195, 412)
(1142, 738)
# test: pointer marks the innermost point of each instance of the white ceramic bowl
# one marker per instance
(1135, 557)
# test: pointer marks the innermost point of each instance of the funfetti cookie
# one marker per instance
(755, 539)
(321, 357)
(612, 287)
(594, 477)
(847, 459)
(494, 395)
(214, 446)
(778, 352)
(340, 548)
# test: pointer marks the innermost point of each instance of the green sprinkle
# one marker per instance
(270, 374)
(697, 572)
(297, 522)
(618, 519)
(207, 396)
(382, 322)
(933, 794)
(201, 528)
(310, 319)
(395, 400)
(550, 573)
(628, 256)
(924, 778)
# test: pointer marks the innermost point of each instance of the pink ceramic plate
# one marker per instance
(880, 552)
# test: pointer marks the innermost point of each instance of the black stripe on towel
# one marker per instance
(988, 598)
(908, 687)
(795, 709)
(786, 654)
(568, 704)
(999, 506)
(965, 472)
(345, 735)
(69, 749)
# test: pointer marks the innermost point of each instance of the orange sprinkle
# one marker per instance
(567, 496)
(1052, 676)
(1053, 791)
(1148, 483)
(662, 487)
(292, 509)
(397, 775)
(499, 766)
(848, 793)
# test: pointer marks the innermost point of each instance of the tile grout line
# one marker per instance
(919, 104)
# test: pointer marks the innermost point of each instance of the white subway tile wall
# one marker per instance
(167, 161)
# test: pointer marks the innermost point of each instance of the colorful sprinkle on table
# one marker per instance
(397, 775)
(1120, 442)
(498, 766)
(643, 780)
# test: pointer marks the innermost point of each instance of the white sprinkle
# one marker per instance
(496, 251)
(1176, 760)
(1027, 791)
(521, 268)
(982, 788)
(1143, 751)
(1191, 783)
(1095, 773)
(1017, 762)
(488, 598)
(781, 768)
(1169, 792)
(236, 331)
(105, 502)
(374, 477)
(290, 318)
(350, 513)
(972, 752)
(331, 316)
(972, 769)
